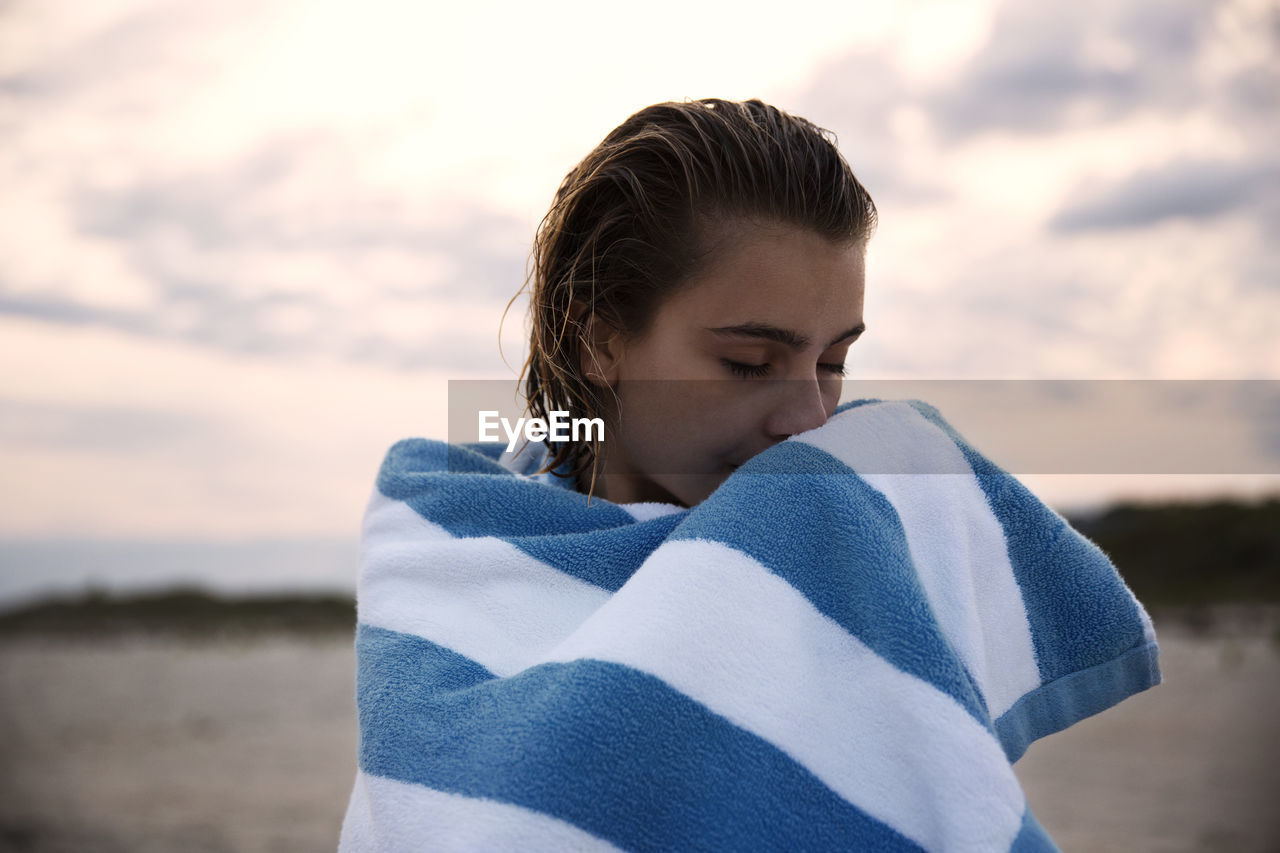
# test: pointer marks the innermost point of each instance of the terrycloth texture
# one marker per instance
(810, 659)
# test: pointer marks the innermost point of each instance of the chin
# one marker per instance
(691, 490)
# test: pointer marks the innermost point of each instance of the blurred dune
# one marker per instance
(139, 743)
(182, 720)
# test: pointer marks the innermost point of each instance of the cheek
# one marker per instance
(650, 419)
(678, 426)
(831, 393)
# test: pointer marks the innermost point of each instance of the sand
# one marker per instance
(150, 745)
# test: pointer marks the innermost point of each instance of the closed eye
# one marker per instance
(756, 371)
(833, 369)
(746, 371)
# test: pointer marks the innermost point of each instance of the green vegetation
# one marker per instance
(1180, 556)
(182, 612)
(1193, 554)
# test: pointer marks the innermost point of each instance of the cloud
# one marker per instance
(1046, 67)
(279, 237)
(276, 252)
(112, 46)
(862, 95)
(295, 237)
(294, 192)
(1191, 189)
(120, 430)
(240, 326)
(1068, 158)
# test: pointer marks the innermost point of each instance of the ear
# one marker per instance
(601, 349)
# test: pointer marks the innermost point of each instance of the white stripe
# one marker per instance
(956, 542)
(649, 510)
(525, 459)
(481, 597)
(386, 520)
(722, 629)
(530, 457)
(389, 816)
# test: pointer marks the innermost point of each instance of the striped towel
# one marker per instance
(809, 659)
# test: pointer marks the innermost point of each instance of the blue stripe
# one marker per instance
(1058, 704)
(471, 495)
(609, 749)
(1032, 838)
(606, 558)
(387, 657)
(1080, 611)
(840, 543)
(601, 544)
(853, 404)
(489, 449)
(495, 451)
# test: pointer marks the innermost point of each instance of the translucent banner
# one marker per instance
(1024, 426)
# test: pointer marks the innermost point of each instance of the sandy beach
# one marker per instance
(137, 744)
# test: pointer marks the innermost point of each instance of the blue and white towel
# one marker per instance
(844, 647)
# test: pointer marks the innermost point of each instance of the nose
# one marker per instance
(800, 407)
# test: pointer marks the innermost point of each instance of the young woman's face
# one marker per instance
(699, 393)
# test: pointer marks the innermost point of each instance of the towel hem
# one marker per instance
(1062, 703)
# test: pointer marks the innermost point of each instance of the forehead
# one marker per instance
(777, 274)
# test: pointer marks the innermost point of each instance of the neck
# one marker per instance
(624, 487)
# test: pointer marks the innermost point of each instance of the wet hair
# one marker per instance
(633, 222)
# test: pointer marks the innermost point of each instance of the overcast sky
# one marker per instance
(244, 245)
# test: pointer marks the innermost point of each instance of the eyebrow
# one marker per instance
(795, 340)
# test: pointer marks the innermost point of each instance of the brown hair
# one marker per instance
(628, 226)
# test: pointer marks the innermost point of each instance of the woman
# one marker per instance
(699, 244)
(748, 617)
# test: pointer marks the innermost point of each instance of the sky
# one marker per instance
(244, 246)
